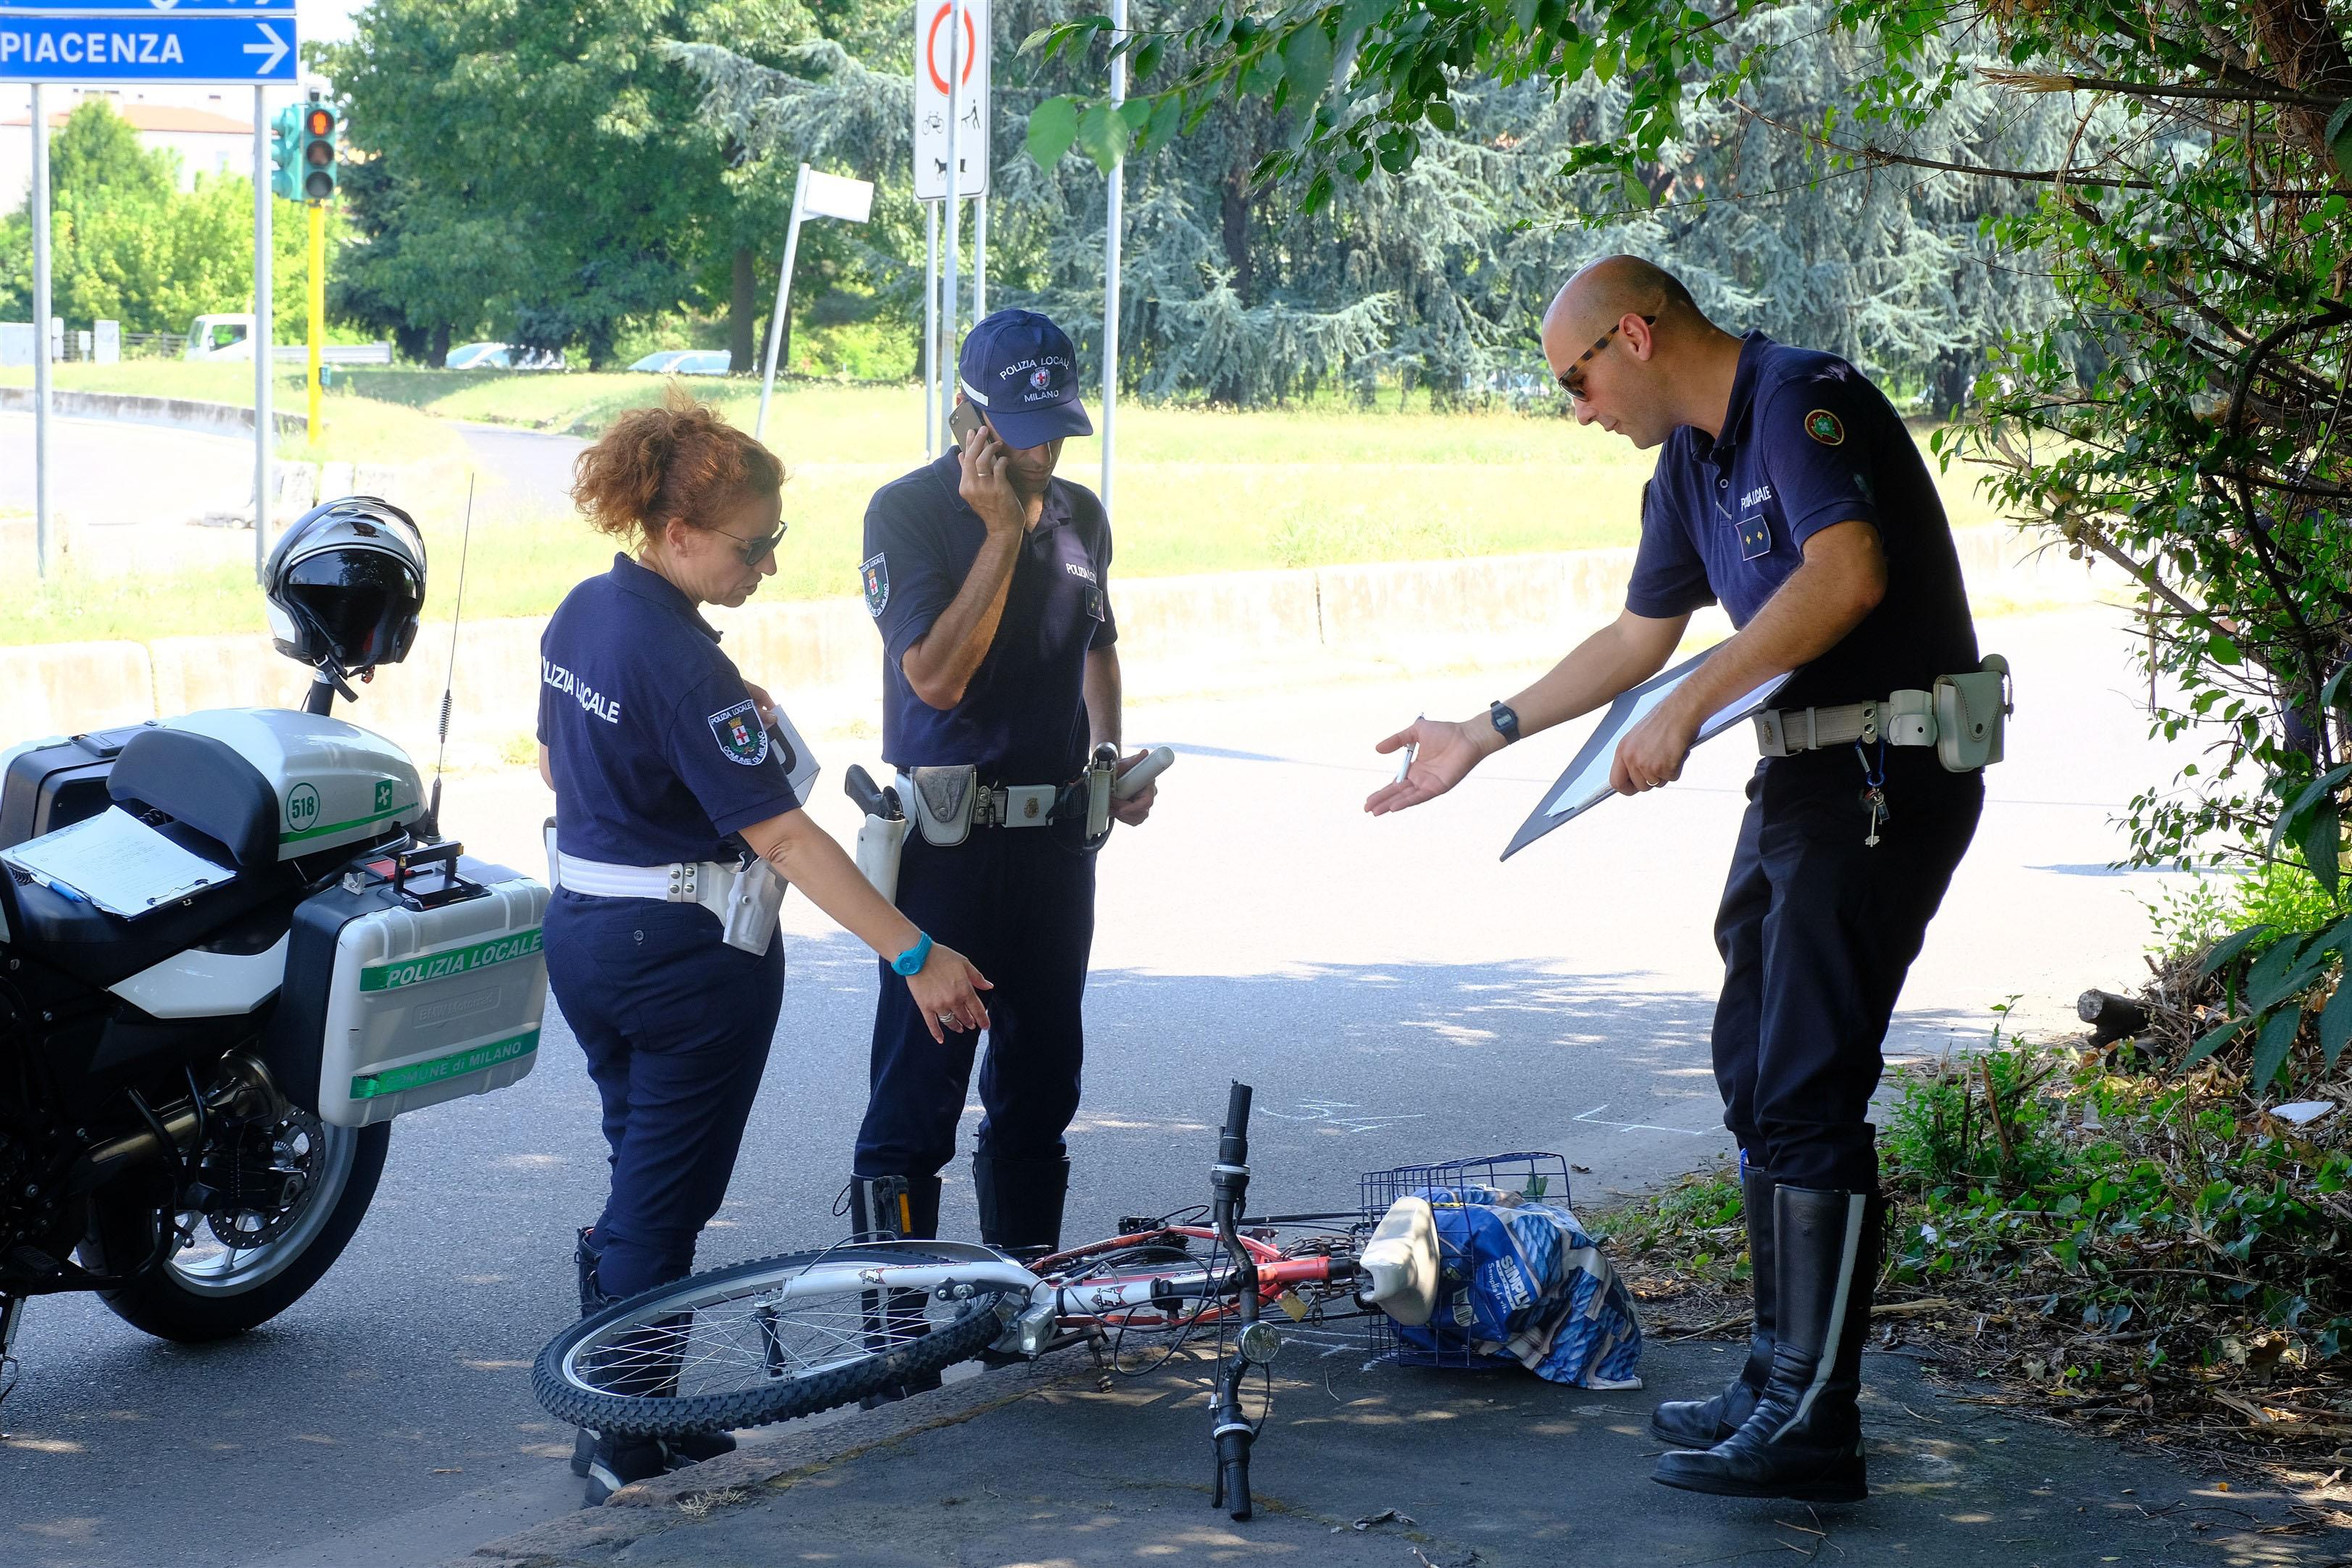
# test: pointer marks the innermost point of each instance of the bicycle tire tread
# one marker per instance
(626, 1416)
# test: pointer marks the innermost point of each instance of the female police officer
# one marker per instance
(658, 755)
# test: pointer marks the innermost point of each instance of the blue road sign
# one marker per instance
(216, 42)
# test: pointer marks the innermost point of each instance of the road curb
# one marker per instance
(652, 1508)
(178, 412)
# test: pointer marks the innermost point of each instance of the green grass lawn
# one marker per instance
(1198, 490)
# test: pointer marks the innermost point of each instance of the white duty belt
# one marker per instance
(1964, 717)
(746, 899)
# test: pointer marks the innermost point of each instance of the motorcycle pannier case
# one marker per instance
(410, 1007)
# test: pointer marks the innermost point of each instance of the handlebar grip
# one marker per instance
(1233, 1473)
(1237, 1109)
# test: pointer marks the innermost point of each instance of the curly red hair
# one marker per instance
(680, 462)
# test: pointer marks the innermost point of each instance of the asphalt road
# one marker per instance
(105, 473)
(1395, 994)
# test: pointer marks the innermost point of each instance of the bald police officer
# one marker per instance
(1787, 489)
(988, 579)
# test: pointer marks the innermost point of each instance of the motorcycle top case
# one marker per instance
(51, 783)
(389, 1009)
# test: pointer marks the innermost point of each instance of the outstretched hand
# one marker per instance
(1447, 752)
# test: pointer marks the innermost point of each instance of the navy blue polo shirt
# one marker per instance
(1807, 442)
(655, 746)
(1023, 719)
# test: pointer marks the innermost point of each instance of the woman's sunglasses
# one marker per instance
(754, 550)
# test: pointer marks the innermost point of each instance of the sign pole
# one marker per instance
(318, 306)
(1114, 204)
(263, 423)
(952, 204)
(931, 330)
(41, 332)
(979, 258)
(783, 303)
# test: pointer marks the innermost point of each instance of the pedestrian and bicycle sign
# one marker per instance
(211, 42)
(940, 46)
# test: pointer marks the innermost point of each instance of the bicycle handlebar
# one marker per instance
(1233, 1146)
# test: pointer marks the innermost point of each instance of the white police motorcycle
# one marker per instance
(231, 952)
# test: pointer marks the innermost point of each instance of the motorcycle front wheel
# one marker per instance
(213, 1287)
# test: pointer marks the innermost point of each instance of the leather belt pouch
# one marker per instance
(942, 802)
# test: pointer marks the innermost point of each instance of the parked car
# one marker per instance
(702, 362)
(660, 360)
(502, 356)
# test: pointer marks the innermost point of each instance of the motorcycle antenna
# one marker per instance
(449, 687)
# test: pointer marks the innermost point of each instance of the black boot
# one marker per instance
(880, 1209)
(592, 1300)
(1021, 1203)
(1803, 1440)
(676, 1452)
(1703, 1423)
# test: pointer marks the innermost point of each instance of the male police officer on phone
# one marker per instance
(988, 579)
(1789, 489)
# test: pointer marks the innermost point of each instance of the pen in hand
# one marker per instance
(1412, 749)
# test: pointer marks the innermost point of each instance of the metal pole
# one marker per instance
(264, 426)
(931, 442)
(948, 246)
(40, 330)
(1114, 204)
(318, 307)
(979, 258)
(784, 304)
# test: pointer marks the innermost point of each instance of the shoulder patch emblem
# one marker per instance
(1823, 426)
(740, 739)
(875, 574)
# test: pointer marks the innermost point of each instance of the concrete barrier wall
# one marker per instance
(181, 412)
(57, 689)
(1175, 633)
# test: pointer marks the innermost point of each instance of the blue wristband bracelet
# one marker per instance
(911, 961)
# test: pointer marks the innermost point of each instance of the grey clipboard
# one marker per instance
(1585, 784)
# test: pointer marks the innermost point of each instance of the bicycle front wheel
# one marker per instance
(776, 1337)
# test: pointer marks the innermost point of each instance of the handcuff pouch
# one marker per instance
(942, 802)
(1971, 716)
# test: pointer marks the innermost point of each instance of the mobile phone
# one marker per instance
(964, 422)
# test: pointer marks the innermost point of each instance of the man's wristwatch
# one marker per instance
(1506, 722)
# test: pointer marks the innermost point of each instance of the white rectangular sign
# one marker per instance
(831, 196)
(932, 37)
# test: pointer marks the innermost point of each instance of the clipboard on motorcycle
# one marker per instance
(1585, 783)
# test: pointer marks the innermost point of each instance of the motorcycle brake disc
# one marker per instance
(262, 1178)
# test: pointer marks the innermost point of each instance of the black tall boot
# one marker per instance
(1703, 1423)
(1021, 1203)
(881, 1208)
(674, 1453)
(1803, 1440)
(593, 1300)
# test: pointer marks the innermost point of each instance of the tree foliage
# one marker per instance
(544, 175)
(2186, 413)
(128, 244)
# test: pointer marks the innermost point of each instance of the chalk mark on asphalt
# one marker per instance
(1335, 1112)
(1594, 1116)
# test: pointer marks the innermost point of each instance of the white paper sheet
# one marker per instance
(118, 863)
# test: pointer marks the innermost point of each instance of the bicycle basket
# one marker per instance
(1521, 1284)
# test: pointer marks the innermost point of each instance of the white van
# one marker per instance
(220, 337)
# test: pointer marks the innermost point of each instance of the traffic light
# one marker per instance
(286, 153)
(317, 136)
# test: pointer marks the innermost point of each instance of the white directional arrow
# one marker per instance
(274, 48)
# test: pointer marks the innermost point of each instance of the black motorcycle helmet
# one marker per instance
(346, 584)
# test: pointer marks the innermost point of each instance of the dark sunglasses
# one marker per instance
(1571, 380)
(754, 550)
